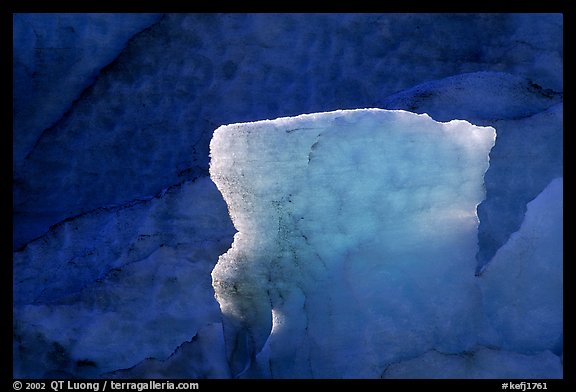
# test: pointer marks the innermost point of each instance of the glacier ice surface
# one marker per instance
(120, 285)
(523, 285)
(356, 240)
(483, 363)
(522, 290)
(58, 55)
(528, 151)
(153, 111)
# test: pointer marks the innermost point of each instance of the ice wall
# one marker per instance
(110, 289)
(523, 285)
(522, 291)
(113, 114)
(56, 57)
(484, 363)
(92, 139)
(356, 240)
(528, 151)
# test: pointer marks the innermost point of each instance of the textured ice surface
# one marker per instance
(481, 97)
(154, 109)
(484, 363)
(523, 299)
(523, 285)
(56, 56)
(108, 113)
(202, 357)
(356, 239)
(528, 151)
(105, 291)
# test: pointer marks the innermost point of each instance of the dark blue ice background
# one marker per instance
(113, 114)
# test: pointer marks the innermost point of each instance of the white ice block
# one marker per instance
(357, 234)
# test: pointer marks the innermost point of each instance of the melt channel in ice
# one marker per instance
(356, 243)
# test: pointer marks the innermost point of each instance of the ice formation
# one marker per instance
(522, 295)
(125, 284)
(113, 115)
(356, 239)
(58, 55)
(530, 263)
(154, 108)
(483, 363)
(528, 152)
